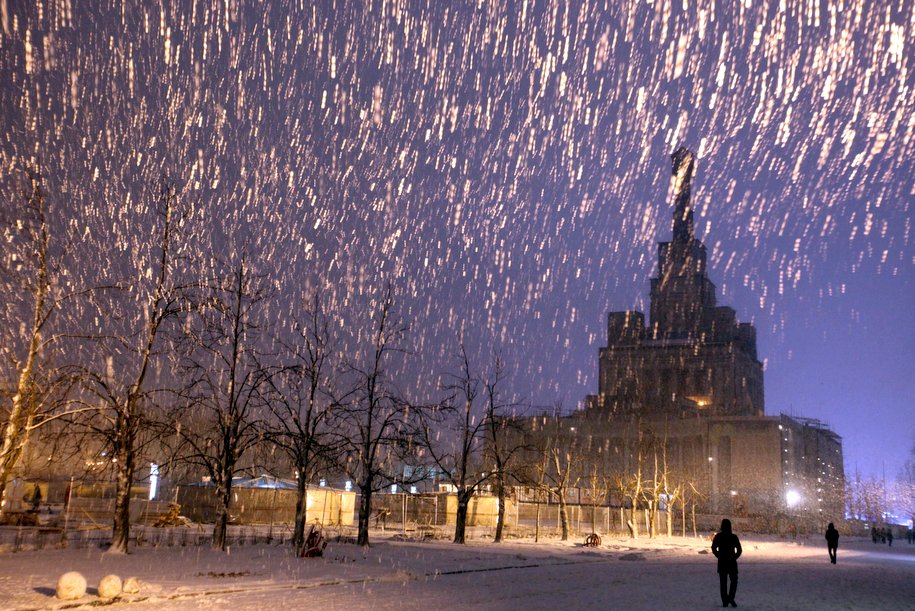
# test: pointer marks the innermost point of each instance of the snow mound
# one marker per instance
(109, 586)
(71, 585)
(131, 585)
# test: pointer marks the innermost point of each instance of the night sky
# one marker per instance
(506, 165)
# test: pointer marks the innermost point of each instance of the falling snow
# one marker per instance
(503, 163)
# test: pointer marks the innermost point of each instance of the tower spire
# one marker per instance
(683, 166)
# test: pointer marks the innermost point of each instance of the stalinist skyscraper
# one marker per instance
(693, 355)
(689, 378)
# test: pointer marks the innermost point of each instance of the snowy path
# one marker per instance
(622, 574)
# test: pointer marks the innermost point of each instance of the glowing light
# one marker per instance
(153, 480)
(792, 498)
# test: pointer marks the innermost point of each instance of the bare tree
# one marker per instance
(374, 421)
(301, 405)
(673, 490)
(227, 384)
(630, 481)
(122, 389)
(905, 487)
(564, 463)
(455, 439)
(39, 286)
(505, 441)
(653, 486)
(866, 498)
(598, 487)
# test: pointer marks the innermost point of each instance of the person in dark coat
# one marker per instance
(832, 542)
(726, 547)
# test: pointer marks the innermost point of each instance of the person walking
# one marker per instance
(832, 542)
(726, 547)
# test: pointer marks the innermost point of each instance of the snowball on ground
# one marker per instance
(71, 585)
(109, 586)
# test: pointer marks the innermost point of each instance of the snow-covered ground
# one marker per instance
(664, 573)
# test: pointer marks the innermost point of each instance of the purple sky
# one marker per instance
(508, 168)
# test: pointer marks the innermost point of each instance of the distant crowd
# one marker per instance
(885, 535)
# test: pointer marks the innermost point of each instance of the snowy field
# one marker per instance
(394, 574)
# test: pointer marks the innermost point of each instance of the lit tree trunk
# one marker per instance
(633, 522)
(563, 514)
(683, 516)
(298, 535)
(15, 434)
(652, 518)
(670, 520)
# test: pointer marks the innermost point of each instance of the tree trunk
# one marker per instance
(298, 536)
(633, 522)
(8, 461)
(563, 516)
(120, 531)
(15, 434)
(365, 510)
(652, 519)
(537, 521)
(221, 528)
(500, 521)
(460, 523)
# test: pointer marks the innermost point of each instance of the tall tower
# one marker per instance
(693, 355)
(682, 292)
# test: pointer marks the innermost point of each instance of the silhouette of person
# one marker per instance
(832, 542)
(726, 547)
(889, 537)
(35, 499)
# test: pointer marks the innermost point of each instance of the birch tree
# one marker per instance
(37, 286)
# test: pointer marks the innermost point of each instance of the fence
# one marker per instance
(325, 506)
(15, 539)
